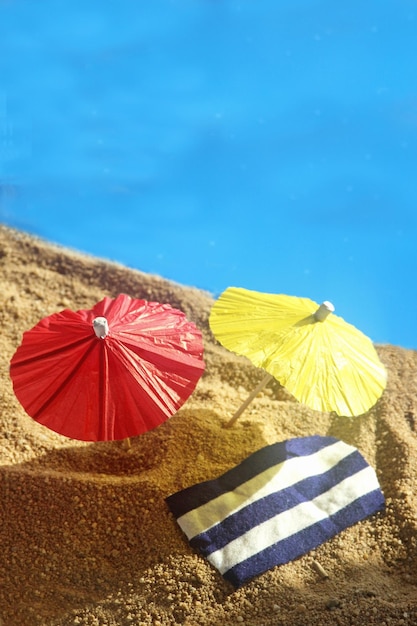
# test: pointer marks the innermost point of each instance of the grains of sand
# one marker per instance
(86, 536)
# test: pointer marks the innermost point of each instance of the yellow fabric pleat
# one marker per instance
(328, 365)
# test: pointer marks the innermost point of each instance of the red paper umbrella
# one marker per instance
(111, 372)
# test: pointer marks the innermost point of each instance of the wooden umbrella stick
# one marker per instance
(265, 380)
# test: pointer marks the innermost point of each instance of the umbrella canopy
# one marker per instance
(112, 372)
(323, 361)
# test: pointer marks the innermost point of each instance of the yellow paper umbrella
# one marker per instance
(324, 362)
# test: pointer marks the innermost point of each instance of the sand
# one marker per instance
(86, 536)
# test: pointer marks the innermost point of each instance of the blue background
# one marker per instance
(270, 145)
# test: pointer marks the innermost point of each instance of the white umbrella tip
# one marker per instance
(101, 327)
(323, 311)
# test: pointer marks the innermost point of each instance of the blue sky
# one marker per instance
(265, 145)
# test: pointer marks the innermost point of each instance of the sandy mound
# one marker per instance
(86, 535)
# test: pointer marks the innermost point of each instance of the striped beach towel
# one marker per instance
(279, 503)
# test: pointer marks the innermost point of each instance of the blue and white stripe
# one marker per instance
(278, 504)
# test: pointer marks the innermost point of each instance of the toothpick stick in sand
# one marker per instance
(127, 443)
(319, 569)
(265, 380)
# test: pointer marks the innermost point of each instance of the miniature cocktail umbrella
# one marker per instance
(108, 373)
(324, 362)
